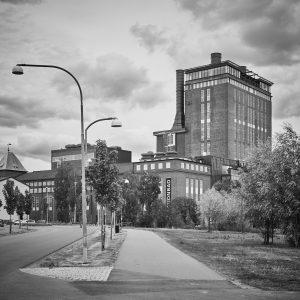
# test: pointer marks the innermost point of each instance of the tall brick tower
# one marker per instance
(222, 109)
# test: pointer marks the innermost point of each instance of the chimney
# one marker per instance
(216, 58)
(179, 118)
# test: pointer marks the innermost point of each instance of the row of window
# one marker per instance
(40, 183)
(213, 72)
(41, 190)
(193, 188)
(167, 165)
(199, 85)
(36, 203)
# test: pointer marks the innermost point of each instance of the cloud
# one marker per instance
(149, 36)
(271, 27)
(16, 112)
(17, 2)
(113, 78)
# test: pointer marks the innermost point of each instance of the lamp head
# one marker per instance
(17, 70)
(116, 123)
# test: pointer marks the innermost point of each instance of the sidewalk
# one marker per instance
(144, 255)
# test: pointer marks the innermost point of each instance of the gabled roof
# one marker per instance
(9, 162)
(38, 175)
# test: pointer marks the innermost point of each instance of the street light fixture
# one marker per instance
(18, 70)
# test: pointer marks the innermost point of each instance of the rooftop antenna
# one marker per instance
(8, 147)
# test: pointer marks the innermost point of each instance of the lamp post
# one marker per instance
(18, 70)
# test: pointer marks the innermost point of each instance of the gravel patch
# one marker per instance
(72, 273)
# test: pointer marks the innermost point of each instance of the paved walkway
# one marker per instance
(145, 255)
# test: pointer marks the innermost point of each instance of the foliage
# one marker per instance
(148, 190)
(102, 175)
(20, 200)
(183, 212)
(271, 187)
(62, 185)
(130, 207)
(213, 207)
(10, 199)
(27, 203)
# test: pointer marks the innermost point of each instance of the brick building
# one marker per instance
(222, 109)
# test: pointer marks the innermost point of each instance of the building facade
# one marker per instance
(222, 110)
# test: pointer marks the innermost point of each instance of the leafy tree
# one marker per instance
(148, 191)
(130, 206)
(62, 186)
(183, 212)
(259, 190)
(20, 199)
(10, 199)
(286, 165)
(102, 175)
(213, 208)
(28, 204)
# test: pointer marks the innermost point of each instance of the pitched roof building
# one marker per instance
(10, 166)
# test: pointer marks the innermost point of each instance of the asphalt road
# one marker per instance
(135, 277)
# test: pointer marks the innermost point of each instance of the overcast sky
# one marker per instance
(124, 54)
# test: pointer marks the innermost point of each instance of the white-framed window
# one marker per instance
(168, 165)
(145, 167)
(138, 167)
(187, 166)
(196, 189)
(192, 188)
(152, 166)
(197, 167)
(201, 168)
(182, 165)
(187, 187)
(201, 186)
(160, 165)
(192, 167)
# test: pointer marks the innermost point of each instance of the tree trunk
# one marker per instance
(208, 224)
(10, 225)
(111, 224)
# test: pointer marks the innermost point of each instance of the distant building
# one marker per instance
(71, 154)
(41, 187)
(222, 109)
(10, 166)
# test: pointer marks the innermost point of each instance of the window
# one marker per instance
(182, 165)
(168, 165)
(208, 95)
(201, 186)
(145, 167)
(192, 167)
(192, 188)
(171, 139)
(138, 167)
(187, 187)
(187, 166)
(202, 95)
(152, 166)
(197, 168)
(196, 189)
(201, 168)
(160, 165)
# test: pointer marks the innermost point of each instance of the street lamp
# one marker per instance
(18, 70)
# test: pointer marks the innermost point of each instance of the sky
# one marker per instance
(125, 53)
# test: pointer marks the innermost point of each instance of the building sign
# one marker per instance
(168, 190)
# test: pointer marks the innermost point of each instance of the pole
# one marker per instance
(83, 193)
(47, 204)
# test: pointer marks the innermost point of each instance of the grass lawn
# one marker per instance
(241, 257)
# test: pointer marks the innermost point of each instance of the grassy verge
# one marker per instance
(241, 257)
(15, 230)
(71, 255)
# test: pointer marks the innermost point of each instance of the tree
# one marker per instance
(213, 207)
(10, 199)
(103, 175)
(20, 199)
(62, 185)
(286, 164)
(183, 212)
(148, 190)
(27, 204)
(259, 190)
(130, 205)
